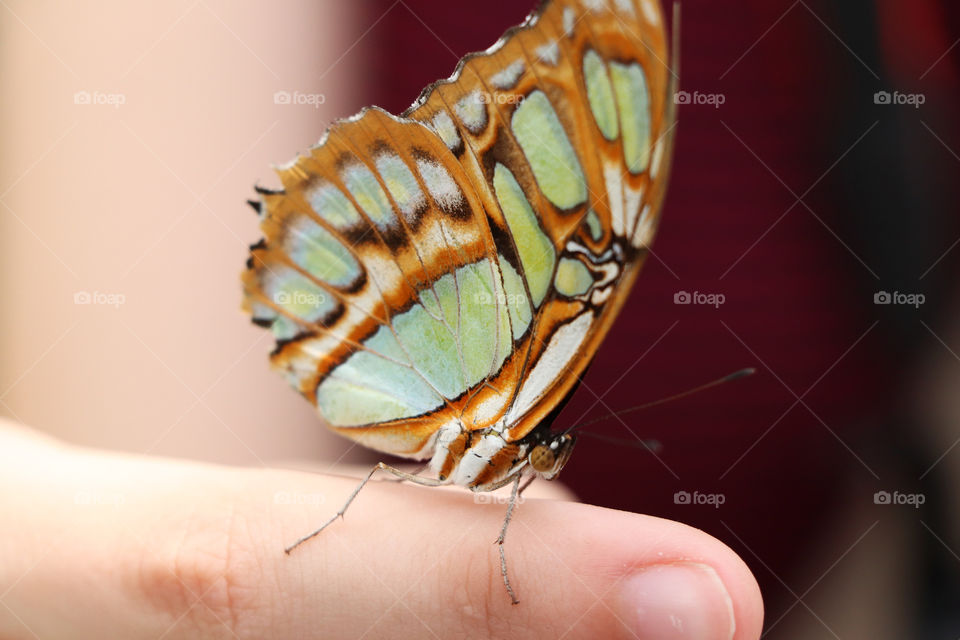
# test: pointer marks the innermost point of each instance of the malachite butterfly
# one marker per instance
(438, 282)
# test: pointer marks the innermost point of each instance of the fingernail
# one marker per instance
(684, 600)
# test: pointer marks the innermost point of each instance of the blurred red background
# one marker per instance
(798, 199)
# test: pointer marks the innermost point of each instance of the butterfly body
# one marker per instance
(483, 460)
(438, 282)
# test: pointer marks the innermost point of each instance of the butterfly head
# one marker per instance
(550, 453)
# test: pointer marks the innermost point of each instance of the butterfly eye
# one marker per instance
(542, 459)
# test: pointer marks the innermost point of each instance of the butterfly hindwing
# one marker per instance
(463, 262)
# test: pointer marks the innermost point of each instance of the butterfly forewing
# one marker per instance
(460, 265)
(564, 111)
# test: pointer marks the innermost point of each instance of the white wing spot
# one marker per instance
(625, 6)
(508, 77)
(657, 158)
(401, 183)
(650, 11)
(569, 21)
(472, 111)
(443, 125)
(643, 236)
(631, 203)
(614, 184)
(441, 185)
(549, 53)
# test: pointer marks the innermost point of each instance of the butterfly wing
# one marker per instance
(566, 119)
(463, 262)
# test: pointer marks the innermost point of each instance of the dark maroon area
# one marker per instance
(799, 303)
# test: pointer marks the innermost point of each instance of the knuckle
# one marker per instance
(205, 577)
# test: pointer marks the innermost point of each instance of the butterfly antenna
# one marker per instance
(742, 373)
(650, 444)
(675, 42)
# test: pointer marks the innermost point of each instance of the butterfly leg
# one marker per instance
(401, 476)
(503, 534)
(527, 483)
(415, 472)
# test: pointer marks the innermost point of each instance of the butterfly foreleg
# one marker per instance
(503, 535)
(400, 476)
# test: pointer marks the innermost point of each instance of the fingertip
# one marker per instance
(661, 578)
(745, 593)
(738, 582)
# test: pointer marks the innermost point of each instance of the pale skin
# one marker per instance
(99, 544)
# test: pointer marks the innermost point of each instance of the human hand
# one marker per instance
(108, 545)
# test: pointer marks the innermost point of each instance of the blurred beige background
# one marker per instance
(132, 134)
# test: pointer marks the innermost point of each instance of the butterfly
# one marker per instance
(438, 282)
